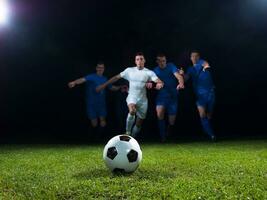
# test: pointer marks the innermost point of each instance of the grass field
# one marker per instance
(200, 170)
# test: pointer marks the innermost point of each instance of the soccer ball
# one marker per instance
(122, 153)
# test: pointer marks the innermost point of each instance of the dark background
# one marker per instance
(48, 44)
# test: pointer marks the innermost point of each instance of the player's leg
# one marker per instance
(160, 109)
(210, 105)
(101, 128)
(92, 115)
(210, 108)
(172, 111)
(103, 122)
(94, 122)
(130, 118)
(102, 113)
(201, 106)
(172, 119)
(137, 127)
(170, 128)
(98, 113)
(141, 110)
(209, 115)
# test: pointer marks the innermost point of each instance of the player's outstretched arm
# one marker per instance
(180, 79)
(110, 81)
(78, 81)
(205, 65)
(153, 77)
(149, 85)
(115, 88)
(159, 84)
(185, 76)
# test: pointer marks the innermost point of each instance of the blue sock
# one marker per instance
(206, 126)
(162, 128)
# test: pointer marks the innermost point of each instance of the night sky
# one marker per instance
(46, 45)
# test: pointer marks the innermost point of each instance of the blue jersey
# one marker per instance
(170, 82)
(202, 80)
(93, 97)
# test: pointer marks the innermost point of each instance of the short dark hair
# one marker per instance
(139, 54)
(100, 62)
(161, 55)
(195, 51)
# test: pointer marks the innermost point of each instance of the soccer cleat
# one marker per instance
(213, 138)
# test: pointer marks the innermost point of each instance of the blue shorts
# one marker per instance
(206, 100)
(95, 111)
(170, 104)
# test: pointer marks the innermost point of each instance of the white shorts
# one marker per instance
(141, 106)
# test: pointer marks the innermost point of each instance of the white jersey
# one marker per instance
(137, 82)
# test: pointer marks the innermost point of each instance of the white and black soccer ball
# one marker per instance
(122, 153)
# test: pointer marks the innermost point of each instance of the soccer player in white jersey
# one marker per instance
(137, 76)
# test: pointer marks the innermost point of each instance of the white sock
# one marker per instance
(136, 130)
(129, 122)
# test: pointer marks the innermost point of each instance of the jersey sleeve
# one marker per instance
(174, 68)
(201, 62)
(152, 76)
(156, 71)
(125, 74)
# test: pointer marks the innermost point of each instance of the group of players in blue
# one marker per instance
(167, 95)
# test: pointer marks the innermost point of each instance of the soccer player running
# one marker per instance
(136, 100)
(204, 90)
(167, 97)
(95, 101)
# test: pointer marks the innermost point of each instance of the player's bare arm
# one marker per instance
(149, 85)
(180, 79)
(78, 81)
(159, 84)
(205, 65)
(185, 76)
(110, 81)
(115, 88)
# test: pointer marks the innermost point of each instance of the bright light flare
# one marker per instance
(4, 12)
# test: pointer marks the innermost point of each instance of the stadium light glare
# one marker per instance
(4, 12)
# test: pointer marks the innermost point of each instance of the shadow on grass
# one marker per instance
(151, 174)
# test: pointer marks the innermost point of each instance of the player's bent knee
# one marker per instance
(202, 115)
(139, 122)
(94, 123)
(103, 123)
(132, 112)
(160, 111)
(160, 116)
(209, 115)
(172, 123)
(202, 112)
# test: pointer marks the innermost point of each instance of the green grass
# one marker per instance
(223, 170)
